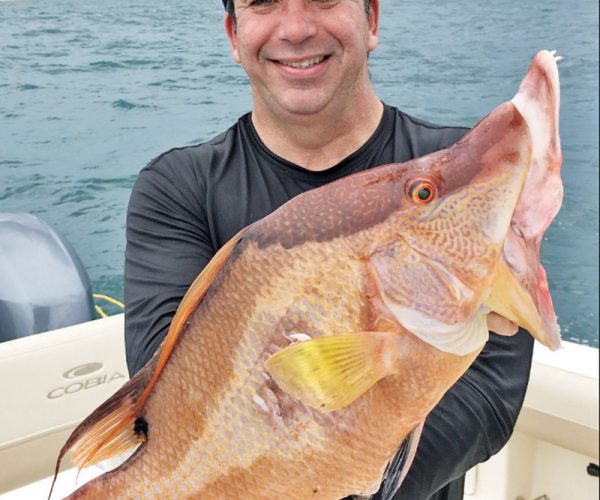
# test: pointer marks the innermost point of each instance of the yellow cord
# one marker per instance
(109, 299)
(99, 310)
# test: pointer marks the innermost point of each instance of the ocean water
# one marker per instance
(91, 90)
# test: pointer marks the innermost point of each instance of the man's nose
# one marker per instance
(298, 22)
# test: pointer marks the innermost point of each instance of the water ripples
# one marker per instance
(92, 90)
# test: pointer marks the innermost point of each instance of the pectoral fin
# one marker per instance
(330, 372)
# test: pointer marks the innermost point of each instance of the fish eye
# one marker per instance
(421, 191)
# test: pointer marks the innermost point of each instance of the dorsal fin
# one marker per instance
(111, 429)
(105, 432)
(188, 304)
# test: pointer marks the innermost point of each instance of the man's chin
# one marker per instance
(300, 103)
(305, 108)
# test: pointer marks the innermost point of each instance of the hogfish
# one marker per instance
(317, 340)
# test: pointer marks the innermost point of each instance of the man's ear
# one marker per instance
(230, 29)
(373, 24)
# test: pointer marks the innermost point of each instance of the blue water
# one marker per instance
(91, 90)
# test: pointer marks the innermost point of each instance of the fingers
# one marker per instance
(501, 325)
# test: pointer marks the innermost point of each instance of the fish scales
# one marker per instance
(219, 367)
(237, 406)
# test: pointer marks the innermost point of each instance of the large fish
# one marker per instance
(318, 339)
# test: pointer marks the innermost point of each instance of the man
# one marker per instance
(315, 118)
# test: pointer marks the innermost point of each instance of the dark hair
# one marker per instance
(228, 4)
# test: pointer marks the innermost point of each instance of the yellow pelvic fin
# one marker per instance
(330, 372)
(510, 299)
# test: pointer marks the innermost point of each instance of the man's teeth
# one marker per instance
(304, 64)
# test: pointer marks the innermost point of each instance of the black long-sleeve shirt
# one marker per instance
(190, 201)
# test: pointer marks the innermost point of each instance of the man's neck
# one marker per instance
(318, 142)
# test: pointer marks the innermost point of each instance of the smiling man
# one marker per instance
(307, 62)
(315, 119)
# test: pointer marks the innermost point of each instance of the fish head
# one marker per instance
(467, 233)
(444, 240)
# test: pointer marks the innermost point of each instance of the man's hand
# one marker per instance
(500, 325)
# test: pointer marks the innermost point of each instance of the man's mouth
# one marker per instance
(304, 63)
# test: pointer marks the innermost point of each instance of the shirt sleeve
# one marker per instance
(168, 244)
(473, 421)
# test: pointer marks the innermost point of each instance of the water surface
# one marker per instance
(91, 90)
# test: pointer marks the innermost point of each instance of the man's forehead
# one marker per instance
(226, 2)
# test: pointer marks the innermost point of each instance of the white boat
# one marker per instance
(51, 381)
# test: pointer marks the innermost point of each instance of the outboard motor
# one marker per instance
(43, 285)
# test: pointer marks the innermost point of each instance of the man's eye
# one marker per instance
(267, 3)
(259, 3)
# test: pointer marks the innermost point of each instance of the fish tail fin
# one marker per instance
(115, 427)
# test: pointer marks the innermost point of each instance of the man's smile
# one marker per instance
(302, 63)
(302, 66)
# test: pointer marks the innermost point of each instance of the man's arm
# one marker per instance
(168, 244)
(473, 421)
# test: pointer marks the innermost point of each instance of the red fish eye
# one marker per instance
(421, 191)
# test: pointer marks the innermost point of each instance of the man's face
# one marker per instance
(303, 55)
